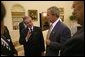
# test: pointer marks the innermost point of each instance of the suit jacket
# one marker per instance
(4, 50)
(21, 27)
(35, 44)
(58, 36)
(75, 45)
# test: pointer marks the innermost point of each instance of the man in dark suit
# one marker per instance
(75, 45)
(32, 39)
(57, 34)
(22, 25)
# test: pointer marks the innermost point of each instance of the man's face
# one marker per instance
(50, 17)
(78, 11)
(29, 23)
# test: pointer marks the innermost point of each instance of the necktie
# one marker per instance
(28, 34)
(49, 31)
(30, 30)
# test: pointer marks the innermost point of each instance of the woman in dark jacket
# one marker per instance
(7, 48)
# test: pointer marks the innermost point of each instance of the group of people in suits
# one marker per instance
(58, 38)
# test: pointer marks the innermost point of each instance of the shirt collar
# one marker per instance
(53, 24)
(31, 28)
(24, 24)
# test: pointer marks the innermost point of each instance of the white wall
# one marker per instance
(41, 6)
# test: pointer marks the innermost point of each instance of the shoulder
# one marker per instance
(74, 45)
(36, 27)
(20, 23)
(79, 36)
(6, 29)
(63, 26)
(77, 39)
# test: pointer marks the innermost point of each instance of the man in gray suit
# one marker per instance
(57, 34)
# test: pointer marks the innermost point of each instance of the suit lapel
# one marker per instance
(54, 30)
(81, 30)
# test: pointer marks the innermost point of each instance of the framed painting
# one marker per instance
(16, 19)
(33, 14)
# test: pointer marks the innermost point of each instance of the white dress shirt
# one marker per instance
(53, 24)
(25, 25)
(29, 31)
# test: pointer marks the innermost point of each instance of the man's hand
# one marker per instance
(28, 35)
(48, 41)
(42, 54)
(15, 54)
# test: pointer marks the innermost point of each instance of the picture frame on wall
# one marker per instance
(16, 25)
(33, 14)
(44, 23)
(17, 17)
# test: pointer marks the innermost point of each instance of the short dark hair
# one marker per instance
(3, 11)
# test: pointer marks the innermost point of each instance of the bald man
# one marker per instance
(75, 46)
(32, 39)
